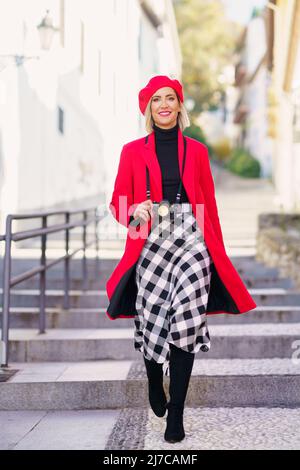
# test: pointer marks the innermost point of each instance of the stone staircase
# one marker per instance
(87, 361)
(81, 385)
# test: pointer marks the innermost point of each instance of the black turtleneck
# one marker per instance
(166, 144)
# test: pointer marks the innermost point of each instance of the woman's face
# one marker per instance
(165, 100)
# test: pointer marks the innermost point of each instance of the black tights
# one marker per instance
(181, 365)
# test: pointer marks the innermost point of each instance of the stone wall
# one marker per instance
(278, 243)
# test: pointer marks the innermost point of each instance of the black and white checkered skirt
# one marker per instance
(173, 276)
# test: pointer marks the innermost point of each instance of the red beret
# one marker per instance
(153, 85)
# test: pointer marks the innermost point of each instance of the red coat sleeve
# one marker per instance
(121, 204)
(207, 184)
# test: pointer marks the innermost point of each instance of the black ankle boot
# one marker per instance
(181, 365)
(157, 396)
(174, 431)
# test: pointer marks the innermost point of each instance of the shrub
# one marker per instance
(244, 164)
(222, 149)
(197, 133)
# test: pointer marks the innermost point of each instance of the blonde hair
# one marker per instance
(183, 117)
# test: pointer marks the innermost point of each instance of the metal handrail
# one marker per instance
(43, 232)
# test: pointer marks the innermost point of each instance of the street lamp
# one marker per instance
(46, 31)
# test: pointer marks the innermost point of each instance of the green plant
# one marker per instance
(197, 133)
(222, 149)
(244, 164)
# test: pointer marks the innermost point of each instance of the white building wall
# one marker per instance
(286, 151)
(296, 134)
(40, 167)
(257, 140)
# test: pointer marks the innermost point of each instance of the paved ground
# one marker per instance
(66, 430)
(205, 428)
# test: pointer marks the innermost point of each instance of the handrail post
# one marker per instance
(6, 294)
(42, 317)
(84, 270)
(67, 265)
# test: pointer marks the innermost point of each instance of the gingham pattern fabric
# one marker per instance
(173, 278)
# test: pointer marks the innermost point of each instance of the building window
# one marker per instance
(114, 92)
(62, 23)
(296, 116)
(61, 120)
(99, 72)
(127, 16)
(140, 42)
(81, 46)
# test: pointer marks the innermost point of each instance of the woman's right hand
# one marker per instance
(144, 210)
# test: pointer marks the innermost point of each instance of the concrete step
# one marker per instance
(21, 317)
(105, 266)
(19, 263)
(253, 273)
(237, 242)
(78, 298)
(267, 283)
(98, 282)
(94, 266)
(260, 340)
(119, 384)
(98, 298)
(103, 273)
(244, 264)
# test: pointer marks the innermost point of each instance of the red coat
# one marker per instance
(227, 293)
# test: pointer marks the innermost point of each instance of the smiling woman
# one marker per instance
(170, 279)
